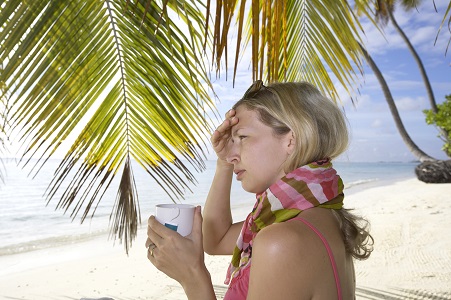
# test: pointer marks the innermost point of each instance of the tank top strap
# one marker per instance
(329, 252)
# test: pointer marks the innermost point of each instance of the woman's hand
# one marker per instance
(181, 258)
(223, 134)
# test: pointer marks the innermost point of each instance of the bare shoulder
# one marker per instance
(297, 235)
(287, 241)
(284, 256)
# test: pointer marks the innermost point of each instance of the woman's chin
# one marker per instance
(251, 189)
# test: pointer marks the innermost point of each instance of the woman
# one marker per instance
(298, 242)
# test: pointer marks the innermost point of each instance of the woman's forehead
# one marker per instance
(245, 115)
(248, 119)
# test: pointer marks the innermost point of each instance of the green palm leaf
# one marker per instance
(294, 40)
(446, 15)
(128, 71)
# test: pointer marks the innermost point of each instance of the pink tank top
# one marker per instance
(239, 285)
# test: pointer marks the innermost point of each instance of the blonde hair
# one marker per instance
(318, 125)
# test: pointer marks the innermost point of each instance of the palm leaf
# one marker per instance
(446, 15)
(3, 136)
(295, 40)
(125, 69)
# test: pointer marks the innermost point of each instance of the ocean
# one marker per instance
(27, 223)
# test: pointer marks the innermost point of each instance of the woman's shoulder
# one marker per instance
(295, 255)
(302, 229)
(291, 238)
(300, 238)
(289, 252)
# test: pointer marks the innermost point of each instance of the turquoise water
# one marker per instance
(26, 223)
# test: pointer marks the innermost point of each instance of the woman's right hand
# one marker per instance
(220, 234)
(222, 135)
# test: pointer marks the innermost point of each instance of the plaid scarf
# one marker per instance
(315, 184)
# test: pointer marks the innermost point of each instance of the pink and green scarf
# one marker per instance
(312, 185)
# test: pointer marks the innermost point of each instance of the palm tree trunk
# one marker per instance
(417, 60)
(419, 154)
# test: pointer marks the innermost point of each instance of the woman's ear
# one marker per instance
(291, 142)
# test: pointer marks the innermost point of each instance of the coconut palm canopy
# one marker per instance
(131, 81)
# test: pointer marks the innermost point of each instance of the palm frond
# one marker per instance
(447, 15)
(130, 72)
(296, 40)
(4, 101)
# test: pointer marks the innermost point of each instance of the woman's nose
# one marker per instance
(233, 153)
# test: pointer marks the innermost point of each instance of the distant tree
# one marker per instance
(442, 119)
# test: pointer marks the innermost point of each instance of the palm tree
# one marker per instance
(130, 80)
(386, 9)
(419, 154)
(430, 170)
(384, 13)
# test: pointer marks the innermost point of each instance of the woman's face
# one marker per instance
(257, 154)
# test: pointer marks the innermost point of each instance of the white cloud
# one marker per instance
(419, 25)
(410, 104)
(422, 35)
(376, 123)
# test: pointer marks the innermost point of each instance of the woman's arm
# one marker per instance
(220, 234)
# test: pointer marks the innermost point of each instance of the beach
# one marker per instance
(410, 223)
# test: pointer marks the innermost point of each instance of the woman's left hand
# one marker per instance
(181, 258)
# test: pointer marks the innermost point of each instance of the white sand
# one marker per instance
(412, 257)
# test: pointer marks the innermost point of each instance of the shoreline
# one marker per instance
(409, 222)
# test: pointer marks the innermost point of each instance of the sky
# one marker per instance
(374, 136)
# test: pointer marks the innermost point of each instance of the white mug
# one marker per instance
(178, 217)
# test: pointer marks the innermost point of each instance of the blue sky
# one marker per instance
(374, 136)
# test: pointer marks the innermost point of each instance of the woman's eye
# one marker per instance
(242, 137)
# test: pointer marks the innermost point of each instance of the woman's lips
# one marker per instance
(239, 174)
